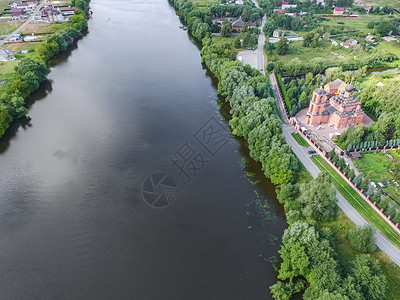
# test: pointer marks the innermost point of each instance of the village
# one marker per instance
(31, 21)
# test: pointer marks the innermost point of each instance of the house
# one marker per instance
(321, 2)
(238, 24)
(286, 5)
(19, 4)
(279, 11)
(293, 15)
(345, 44)
(338, 11)
(30, 38)
(278, 33)
(370, 38)
(24, 51)
(240, 2)
(340, 110)
(352, 42)
(6, 55)
(17, 12)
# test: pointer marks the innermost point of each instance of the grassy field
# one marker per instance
(43, 28)
(359, 24)
(4, 4)
(299, 139)
(391, 47)
(297, 51)
(8, 27)
(357, 201)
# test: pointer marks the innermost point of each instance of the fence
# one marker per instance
(343, 175)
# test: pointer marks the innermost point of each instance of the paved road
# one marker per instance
(255, 58)
(30, 19)
(301, 152)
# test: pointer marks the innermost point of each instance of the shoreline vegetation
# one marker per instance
(324, 255)
(33, 69)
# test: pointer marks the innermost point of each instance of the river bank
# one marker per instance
(249, 119)
(72, 211)
(31, 68)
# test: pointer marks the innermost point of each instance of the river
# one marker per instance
(76, 216)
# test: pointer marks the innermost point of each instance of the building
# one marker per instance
(17, 12)
(286, 5)
(6, 55)
(345, 44)
(51, 13)
(238, 24)
(370, 39)
(19, 4)
(338, 11)
(278, 33)
(335, 105)
(352, 42)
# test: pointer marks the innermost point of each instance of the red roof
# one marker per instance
(281, 11)
(346, 44)
(339, 8)
(285, 3)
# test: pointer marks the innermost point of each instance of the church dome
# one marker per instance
(349, 88)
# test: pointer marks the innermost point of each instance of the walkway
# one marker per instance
(301, 152)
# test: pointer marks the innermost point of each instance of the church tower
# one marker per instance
(316, 108)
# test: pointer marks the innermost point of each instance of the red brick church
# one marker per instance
(335, 105)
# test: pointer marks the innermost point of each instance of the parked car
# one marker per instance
(312, 152)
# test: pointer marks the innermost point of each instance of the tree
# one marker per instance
(269, 28)
(5, 119)
(281, 291)
(282, 47)
(295, 262)
(369, 278)
(226, 30)
(270, 66)
(351, 174)
(383, 27)
(363, 238)
(318, 198)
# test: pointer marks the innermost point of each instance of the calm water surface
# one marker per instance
(73, 224)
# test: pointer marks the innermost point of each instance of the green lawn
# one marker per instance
(376, 164)
(357, 201)
(359, 23)
(299, 139)
(4, 4)
(391, 47)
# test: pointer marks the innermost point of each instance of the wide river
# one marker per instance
(80, 218)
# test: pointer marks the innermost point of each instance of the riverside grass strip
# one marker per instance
(357, 202)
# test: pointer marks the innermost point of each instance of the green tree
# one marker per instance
(318, 198)
(363, 238)
(369, 278)
(282, 47)
(226, 30)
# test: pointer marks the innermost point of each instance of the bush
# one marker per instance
(362, 238)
